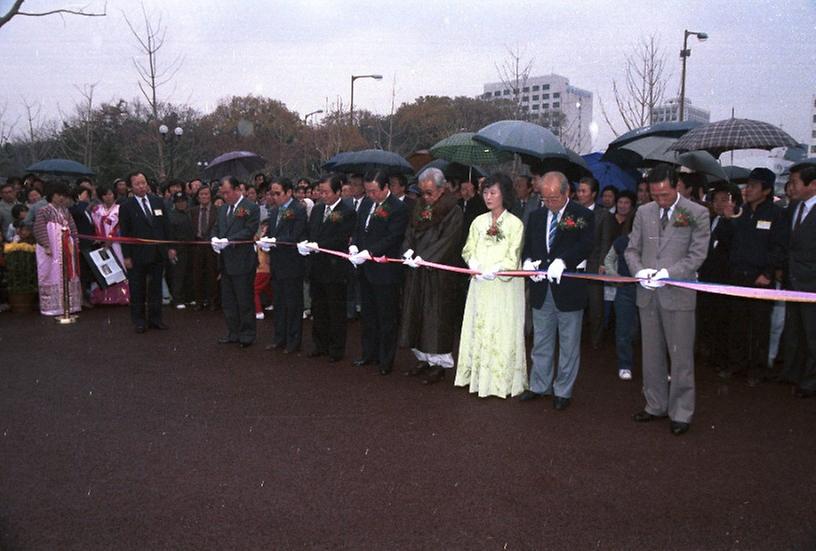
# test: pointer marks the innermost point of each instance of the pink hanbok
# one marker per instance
(56, 232)
(106, 224)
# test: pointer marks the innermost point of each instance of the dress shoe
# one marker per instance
(292, 350)
(335, 359)
(804, 393)
(226, 340)
(385, 371)
(644, 417)
(418, 369)
(245, 344)
(560, 404)
(274, 346)
(361, 362)
(435, 375)
(159, 325)
(528, 395)
(140, 329)
(678, 428)
(315, 354)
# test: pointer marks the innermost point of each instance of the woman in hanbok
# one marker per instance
(105, 217)
(492, 359)
(57, 253)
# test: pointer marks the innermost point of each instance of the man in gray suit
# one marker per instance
(669, 240)
(238, 220)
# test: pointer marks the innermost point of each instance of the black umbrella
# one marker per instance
(629, 149)
(736, 174)
(663, 129)
(455, 171)
(524, 138)
(60, 167)
(633, 154)
(360, 162)
(240, 164)
(730, 134)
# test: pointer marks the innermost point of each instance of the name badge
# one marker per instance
(158, 212)
(763, 224)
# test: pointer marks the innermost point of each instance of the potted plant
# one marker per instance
(21, 276)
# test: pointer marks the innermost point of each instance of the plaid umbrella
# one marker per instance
(463, 149)
(730, 134)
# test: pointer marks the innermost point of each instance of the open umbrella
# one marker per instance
(697, 161)
(60, 167)
(634, 153)
(729, 134)
(419, 158)
(455, 171)
(611, 174)
(736, 174)
(524, 138)
(240, 164)
(360, 162)
(643, 140)
(463, 149)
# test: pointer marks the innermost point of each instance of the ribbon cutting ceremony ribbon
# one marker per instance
(715, 288)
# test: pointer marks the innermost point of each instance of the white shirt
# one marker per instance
(374, 207)
(671, 208)
(558, 216)
(330, 208)
(808, 206)
(142, 200)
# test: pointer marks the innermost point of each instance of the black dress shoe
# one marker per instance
(644, 417)
(335, 359)
(274, 346)
(528, 395)
(245, 344)
(384, 371)
(140, 329)
(435, 375)
(804, 393)
(360, 362)
(315, 354)
(294, 350)
(417, 370)
(560, 404)
(226, 340)
(678, 428)
(159, 325)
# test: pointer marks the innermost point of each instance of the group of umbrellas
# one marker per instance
(693, 145)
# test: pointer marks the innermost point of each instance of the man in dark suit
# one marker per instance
(398, 185)
(204, 260)
(800, 317)
(330, 227)
(381, 225)
(559, 237)
(355, 202)
(238, 220)
(287, 222)
(80, 211)
(143, 216)
(526, 200)
(471, 203)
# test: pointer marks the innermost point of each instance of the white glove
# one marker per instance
(415, 262)
(530, 266)
(408, 254)
(644, 275)
(489, 275)
(303, 248)
(654, 282)
(312, 246)
(215, 244)
(353, 249)
(554, 271)
(265, 243)
(473, 265)
(360, 257)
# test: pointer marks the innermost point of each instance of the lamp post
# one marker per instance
(580, 128)
(171, 140)
(353, 78)
(306, 118)
(684, 54)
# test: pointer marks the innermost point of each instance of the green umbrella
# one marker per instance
(461, 148)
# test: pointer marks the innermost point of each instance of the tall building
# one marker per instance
(812, 148)
(669, 111)
(553, 102)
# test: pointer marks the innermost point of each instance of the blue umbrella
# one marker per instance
(611, 174)
(63, 167)
(359, 162)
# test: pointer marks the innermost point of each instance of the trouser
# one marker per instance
(205, 274)
(353, 295)
(236, 300)
(547, 322)
(625, 321)
(713, 327)
(668, 334)
(800, 345)
(749, 332)
(329, 317)
(289, 312)
(262, 286)
(182, 275)
(379, 312)
(145, 281)
(595, 311)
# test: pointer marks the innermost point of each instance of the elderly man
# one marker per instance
(558, 237)
(669, 239)
(434, 235)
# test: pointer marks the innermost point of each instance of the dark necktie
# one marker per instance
(799, 216)
(146, 208)
(326, 213)
(229, 211)
(371, 213)
(664, 220)
(551, 232)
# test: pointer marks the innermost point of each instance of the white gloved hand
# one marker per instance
(530, 266)
(408, 254)
(554, 271)
(303, 248)
(215, 243)
(415, 262)
(488, 275)
(360, 257)
(654, 282)
(353, 249)
(473, 265)
(644, 275)
(312, 246)
(264, 243)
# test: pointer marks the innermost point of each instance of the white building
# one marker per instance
(812, 149)
(669, 111)
(551, 101)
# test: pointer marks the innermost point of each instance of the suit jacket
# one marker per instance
(82, 219)
(195, 213)
(716, 266)
(134, 223)
(474, 207)
(409, 205)
(602, 238)
(801, 269)
(382, 238)
(335, 234)
(284, 261)
(241, 226)
(572, 246)
(680, 249)
(523, 213)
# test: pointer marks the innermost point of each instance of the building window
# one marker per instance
(556, 95)
(496, 94)
(525, 98)
(535, 97)
(814, 134)
(506, 92)
(813, 148)
(535, 107)
(536, 88)
(545, 96)
(545, 105)
(814, 118)
(556, 105)
(525, 108)
(525, 89)
(545, 87)
(515, 91)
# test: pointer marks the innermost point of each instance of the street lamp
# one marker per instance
(171, 140)
(353, 78)
(580, 145)
(684, 54)
(306, 118)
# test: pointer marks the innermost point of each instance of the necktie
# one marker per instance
(356, 205)
(326, 213)
(371, 213)
(229, 211)
(714, 222)
(664, 220)
(146, 208)
(799, 216)
(551, 232)
(202, 220)
(523, 205)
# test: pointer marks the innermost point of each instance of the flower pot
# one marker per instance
(22, 303)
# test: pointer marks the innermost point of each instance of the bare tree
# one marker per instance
(643, 86)
(81, 142)
(513, 74)
(152, 73)
(16, 10)
(38, 132)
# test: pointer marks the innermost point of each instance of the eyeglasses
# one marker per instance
(276, 193)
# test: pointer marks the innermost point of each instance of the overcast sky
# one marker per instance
(759, 58)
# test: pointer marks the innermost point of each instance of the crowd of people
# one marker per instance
(306, 249)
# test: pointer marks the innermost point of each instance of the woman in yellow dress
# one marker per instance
(492, 359)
